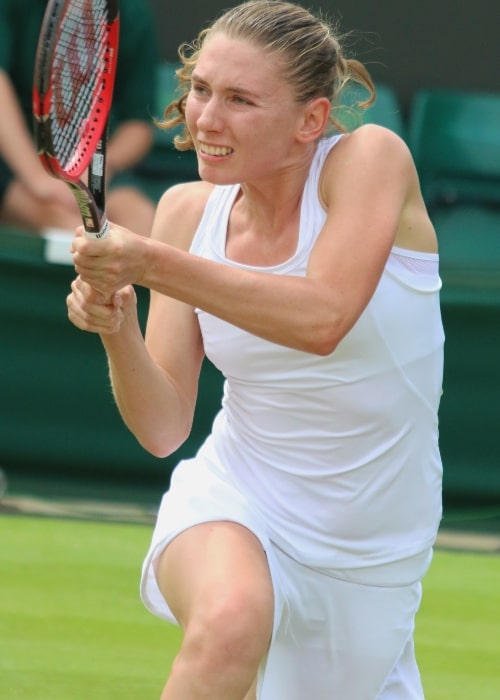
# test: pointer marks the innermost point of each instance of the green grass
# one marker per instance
(458, 627)
(72, 626)
(71, 623)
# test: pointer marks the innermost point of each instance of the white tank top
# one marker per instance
(340, 453)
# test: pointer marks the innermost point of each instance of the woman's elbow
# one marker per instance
(162, 443)
(322, 338)
(321, 347)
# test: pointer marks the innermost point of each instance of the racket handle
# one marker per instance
(102, 233)
(94, 219)
(97, 185)
(99, 235)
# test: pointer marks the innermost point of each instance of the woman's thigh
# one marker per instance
(217, 574)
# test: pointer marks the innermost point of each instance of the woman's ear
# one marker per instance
(314, 119)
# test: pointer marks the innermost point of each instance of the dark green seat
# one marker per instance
(455, 140)
(385, 111)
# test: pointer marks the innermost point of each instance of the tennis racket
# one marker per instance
(73, 81)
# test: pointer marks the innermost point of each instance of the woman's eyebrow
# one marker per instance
(240, 90)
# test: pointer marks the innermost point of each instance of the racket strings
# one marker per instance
(78, 78)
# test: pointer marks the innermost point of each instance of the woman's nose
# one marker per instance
(209, 118)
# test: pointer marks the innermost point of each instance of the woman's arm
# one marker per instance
(154, 381)
(365, 187)
(155, 385)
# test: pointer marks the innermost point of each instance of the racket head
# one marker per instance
(73, 82)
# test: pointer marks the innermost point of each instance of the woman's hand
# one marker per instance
(111, 263)
(90, 311)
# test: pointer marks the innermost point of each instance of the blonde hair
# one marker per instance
(308, 47)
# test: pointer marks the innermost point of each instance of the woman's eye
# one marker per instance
(240, 100)
(199, 89)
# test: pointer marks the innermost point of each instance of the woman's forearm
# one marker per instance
(150, 403)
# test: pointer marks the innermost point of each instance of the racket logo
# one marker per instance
(75, 61)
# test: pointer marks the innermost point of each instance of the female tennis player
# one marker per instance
(304, 265)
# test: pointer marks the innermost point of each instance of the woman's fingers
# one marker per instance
(89, 311)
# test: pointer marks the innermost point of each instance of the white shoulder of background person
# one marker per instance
(179, 213)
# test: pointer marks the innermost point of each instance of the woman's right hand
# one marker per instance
(89, 310)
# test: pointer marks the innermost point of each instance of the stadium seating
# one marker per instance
(455, 139)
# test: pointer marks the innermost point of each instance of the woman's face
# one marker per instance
(241, 113)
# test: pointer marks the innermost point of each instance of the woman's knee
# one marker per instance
(235, 626)
(216, 580)
(229, 638)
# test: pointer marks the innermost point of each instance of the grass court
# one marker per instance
(72, 626)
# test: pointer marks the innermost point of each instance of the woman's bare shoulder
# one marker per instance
(364, 157)
(374, 138)
(189, 198)
(179, 212)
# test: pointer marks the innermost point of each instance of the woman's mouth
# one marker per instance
(219, 151)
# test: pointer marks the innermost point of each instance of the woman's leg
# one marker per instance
(216, 580)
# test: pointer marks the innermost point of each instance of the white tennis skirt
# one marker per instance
(333, 639)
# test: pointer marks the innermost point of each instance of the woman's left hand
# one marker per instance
(90, 311)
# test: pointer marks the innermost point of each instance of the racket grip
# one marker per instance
(102, 233)
(94, 219)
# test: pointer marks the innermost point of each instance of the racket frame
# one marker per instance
(91, 154)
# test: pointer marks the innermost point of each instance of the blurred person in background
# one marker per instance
(29, 196)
